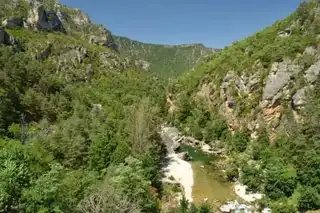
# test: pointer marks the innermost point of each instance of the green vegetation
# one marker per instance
(282, 161)
(166, 61)
(79, 124)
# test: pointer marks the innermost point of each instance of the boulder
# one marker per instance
(312, 74)
(13, 23)
(7, 39)
(96, 107)
(299, 98)
(278, 77)
(184, 156)
(191, 141)
(285, 33)
(171, 138)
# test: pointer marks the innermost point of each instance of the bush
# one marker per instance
(240, 141)
(283, 207)
(232, 172)
(251, 177)
(280, 182)
(309, 199)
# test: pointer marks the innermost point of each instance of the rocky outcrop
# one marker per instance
(104, 39)
(110, 60)
(299, 98)
(184, 156)
(40, 19)
(278, 77)
(285, 33)
(312, 74)
(80, 18)
(142, 65)
(6, 39)
(76, 55)
(171, 138)
(13, 23)
(9, 40)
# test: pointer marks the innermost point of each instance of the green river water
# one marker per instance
(208, 183)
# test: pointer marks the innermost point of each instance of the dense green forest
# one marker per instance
(165, 60)
(79, 119)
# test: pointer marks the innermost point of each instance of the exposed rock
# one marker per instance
(278, 77)
(191, 141)
(13, 23)
(104, 39)
(266, 210)
(89, 72)
(184, 156)
(171, 138)
(230, 101)
(241, 191)
(5, 38)
(76, 55)
(285, 33)
(310, 51)
(299, 98)
(40, 19)
(9, 40)
(276, 98)
(228, 77)
(144, 65)
(313, 72)
(253, 81)
(272, 113)
(44, 54)
(229, 206)
(96, 107)
(110, 60)
(81, 18)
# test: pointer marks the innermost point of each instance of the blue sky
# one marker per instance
(215, 23)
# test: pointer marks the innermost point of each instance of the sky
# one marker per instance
(214, 23)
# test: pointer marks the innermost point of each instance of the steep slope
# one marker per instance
(260, 98)
(77, 121)
(165, 60)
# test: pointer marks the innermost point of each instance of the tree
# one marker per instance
(43, 195)
(280, 181)
(240, 141)
(129, 179)
(309, 199)
(106, 199)
(13, 179)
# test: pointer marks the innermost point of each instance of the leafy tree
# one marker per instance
(309, 199)
(280, 182)
(251, 177)
(43, 195)
(240, 141)
(130, 181)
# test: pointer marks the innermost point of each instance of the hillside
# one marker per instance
(77, 121)
(259, 100)
(83, 112)
(165, 60)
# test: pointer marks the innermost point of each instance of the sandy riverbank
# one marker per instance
(182, 172)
